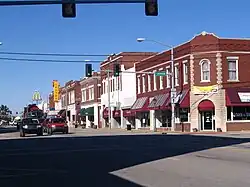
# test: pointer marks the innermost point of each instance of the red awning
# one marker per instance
(206, 105)
(158, 102)
(105, 113)
(116, 113)
(184, 99)
(238, 97)
(128, 113)
(141, 104)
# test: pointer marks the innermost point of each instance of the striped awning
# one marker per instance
(139, 103)
(159, 101)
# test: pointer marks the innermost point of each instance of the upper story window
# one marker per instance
(168, 77)
(155, 88)
(103, 87)
(176, 75)
(84, 94)
(233, 74)
(185, 72)
(91, 93)
(161, 79)
(138, 84)
(205, 70)
(98, 91)
(143, 83)
(149, 82)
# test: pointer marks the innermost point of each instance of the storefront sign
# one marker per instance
(244, 97)
(201, 90)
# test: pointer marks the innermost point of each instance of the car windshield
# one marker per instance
(57, 120)
(31, 121)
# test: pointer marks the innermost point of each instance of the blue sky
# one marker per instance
(100, 29)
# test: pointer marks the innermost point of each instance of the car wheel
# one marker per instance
(50, 132)
(40, 133)
(66, 131)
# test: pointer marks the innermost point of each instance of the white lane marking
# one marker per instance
(18, 175)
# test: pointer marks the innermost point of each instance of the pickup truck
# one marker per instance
(30, 126)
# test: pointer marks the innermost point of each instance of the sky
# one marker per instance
(100, 29)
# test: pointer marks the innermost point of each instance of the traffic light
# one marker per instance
(68, 10)
(116, 70)
(88, 70)
(151, 7)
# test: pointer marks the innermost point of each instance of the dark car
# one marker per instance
(30, 126)
(52, 125)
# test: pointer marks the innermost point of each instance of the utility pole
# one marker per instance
(173, 91)
(109, 106)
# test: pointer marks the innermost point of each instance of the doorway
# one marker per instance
(207, 121)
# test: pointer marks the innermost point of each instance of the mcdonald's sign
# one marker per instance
(56, 90)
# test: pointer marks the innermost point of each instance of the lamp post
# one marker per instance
(154, 128)
(173, 90)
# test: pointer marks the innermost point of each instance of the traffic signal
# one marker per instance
(68, 10)
(116, 70)
(151, 7)
(88, 70)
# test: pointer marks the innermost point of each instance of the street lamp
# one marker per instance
(154, 102)
(173, 90)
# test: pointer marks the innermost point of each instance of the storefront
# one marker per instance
(238, 109)
(87, 114)
(207, 115)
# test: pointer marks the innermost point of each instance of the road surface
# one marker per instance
(125, 160)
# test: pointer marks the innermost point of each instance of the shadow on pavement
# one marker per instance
(4, 129)
(88, 161)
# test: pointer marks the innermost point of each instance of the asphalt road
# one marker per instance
(125, 160)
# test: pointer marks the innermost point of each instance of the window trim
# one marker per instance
(143, 83)
(168, 83)
(149, 82)
(161, 86)
(236, 65)
(184, 64)
(138, 84)
(176, 66)
(155, 81)
(209, 67)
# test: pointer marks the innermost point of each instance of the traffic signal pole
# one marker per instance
(109, 104)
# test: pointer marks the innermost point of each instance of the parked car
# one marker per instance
(52, 125)
(30, 126)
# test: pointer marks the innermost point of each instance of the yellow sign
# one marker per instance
(205, 89)
(56, 90)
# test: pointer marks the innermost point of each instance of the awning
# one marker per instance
(238, 97)
(140, 104)
(183, 99)
(128, 113)
(116, 113)
(87, 111)
(61, 111)
(105, 113)
(206, 105)
(159, 101)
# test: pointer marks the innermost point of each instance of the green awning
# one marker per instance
(87, 111)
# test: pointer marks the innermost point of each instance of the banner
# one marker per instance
(56, 90)
(201, 90)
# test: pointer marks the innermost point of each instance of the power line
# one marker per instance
(74, 55)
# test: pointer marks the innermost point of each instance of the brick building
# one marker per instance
(212, 82)
(122, 88)
(71, 100)
(91, 100)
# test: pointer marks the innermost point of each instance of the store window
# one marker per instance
(184, 113)
(238, 113)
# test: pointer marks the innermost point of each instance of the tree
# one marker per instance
(4, 110)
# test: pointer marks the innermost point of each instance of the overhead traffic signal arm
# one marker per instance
(151, 7)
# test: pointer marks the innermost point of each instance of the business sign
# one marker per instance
(244, 97)
(36, 96)
(203, 90)
(56, 90)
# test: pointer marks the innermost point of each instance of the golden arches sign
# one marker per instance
(36, 96)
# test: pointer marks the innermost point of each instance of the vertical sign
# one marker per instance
(56, 90)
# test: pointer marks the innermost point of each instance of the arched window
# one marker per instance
(205, 70)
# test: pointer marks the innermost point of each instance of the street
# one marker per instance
(124, 159)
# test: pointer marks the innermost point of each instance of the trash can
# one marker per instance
(129, 127)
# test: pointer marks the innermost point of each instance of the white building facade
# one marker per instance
(122, 96)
